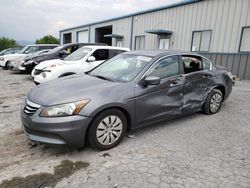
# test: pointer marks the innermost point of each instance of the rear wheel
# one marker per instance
(213, 102)
(107, 129)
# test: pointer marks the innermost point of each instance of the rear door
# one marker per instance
(198, 80)
(155, 102)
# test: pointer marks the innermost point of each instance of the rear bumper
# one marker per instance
(68, 130)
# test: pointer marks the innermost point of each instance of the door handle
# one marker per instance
(206, 76)
(173, 82)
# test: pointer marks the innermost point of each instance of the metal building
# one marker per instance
(218, 29)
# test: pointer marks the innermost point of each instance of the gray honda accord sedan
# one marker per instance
(131, 90)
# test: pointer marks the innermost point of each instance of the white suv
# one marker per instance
(82, 60)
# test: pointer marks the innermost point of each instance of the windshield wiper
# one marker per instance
(102, 77)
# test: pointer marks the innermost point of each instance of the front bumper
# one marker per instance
(40, 79)
(2, 63)
(68, 130)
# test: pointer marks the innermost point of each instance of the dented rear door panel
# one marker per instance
(196, 88)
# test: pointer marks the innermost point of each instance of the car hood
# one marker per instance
(75, 88)
(43, 57)
(47, 63)
(12, 56)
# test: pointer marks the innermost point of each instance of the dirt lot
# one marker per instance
(193, 151)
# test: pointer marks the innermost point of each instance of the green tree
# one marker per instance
(48, 39)
(7, 43)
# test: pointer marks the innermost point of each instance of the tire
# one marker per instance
(213, 102)
(6, 65)
(107, 129)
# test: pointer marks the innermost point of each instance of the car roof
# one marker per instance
(43, 45)
(159, 53)
(82, 44)
(107, 47)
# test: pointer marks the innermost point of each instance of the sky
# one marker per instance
(32, 19)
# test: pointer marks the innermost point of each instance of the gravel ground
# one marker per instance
(194, 151)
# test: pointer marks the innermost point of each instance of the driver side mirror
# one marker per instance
(91, 59)
(152, 80)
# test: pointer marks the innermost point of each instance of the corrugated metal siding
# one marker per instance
(224, 17)
(74, 34)
(238, 64)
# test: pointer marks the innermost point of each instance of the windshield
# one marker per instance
(35, 54)
(23, 49)
(121, 68)
(57, 49)
(78, 54)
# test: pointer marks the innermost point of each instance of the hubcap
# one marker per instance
(215, 102)
(109, 130)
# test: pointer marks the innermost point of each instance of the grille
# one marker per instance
(37, 72)
(30, 107)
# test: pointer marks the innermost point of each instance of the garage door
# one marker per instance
(83, 36)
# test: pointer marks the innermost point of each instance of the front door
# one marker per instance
(155, 102)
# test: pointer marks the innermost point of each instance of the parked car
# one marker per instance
(82, 60)
(5, 59)
(10, 51)
(58, 53)
(15, 63)
(128, 91)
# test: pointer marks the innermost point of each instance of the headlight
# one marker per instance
(1, 58)
(44, 74)
(64, 109)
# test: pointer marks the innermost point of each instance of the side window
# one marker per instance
(191, 64)
(31, 49)
(166, 67)
(101, 54)
(74, 48)
(7, 52)
(113, 53)
(46, 47)
(206, 64)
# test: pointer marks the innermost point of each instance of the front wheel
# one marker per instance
(6, 67)
(213, 102)
(107, 129)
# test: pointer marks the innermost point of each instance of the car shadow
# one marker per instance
(175, 122)
(60, 150)
(18, 72)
